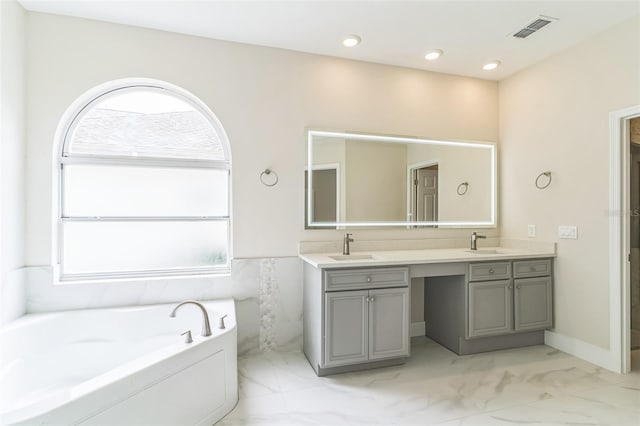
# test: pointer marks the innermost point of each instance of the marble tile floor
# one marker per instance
(535, 385)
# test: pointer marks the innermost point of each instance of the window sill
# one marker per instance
(146, 278)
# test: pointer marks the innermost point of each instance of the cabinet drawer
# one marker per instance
(532, 268)
(489, 271)
(366, 278)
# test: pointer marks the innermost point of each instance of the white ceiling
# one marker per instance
(393, 32)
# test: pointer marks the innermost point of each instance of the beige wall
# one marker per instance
(12, 163)
(264, 97)
(555, 116)
(457, 165)
(376, 186)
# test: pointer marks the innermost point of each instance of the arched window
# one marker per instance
(144, 183)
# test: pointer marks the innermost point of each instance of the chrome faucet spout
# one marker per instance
(206, 328)
(345, 244)
(474, 239)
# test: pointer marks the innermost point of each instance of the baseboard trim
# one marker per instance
(417, 329)
(581, 349)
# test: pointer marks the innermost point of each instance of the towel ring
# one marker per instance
(543, 186)
(268, 172)
(463, 191)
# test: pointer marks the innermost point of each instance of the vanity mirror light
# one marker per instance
(362, 180)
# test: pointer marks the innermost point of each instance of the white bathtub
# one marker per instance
(119, 366)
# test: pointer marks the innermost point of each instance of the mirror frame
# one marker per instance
(492, 223)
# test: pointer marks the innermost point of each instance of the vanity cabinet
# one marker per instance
(490, 310)
(363, 326)
(532, 304)
(363, 318)
(494, 305)
(519, 303)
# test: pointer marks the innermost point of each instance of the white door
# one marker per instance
(426, 183)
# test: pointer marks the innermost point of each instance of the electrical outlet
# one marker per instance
(531, 231)
(568, 232)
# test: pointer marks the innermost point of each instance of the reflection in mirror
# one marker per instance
(369, 180)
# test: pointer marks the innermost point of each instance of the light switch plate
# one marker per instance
(531, 231)
(568, 232)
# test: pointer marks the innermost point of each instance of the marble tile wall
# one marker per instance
(268, 295)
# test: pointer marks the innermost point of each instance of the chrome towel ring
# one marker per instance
(463, 190)
(543, 185)
(267, 180)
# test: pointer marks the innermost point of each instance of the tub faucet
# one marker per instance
(206, 328)
(474, 238)
(345, 244)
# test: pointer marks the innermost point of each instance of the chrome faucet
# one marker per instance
(345, 244)
(206, 328)
(474, 238)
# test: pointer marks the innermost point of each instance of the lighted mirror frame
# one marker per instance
(492, 223)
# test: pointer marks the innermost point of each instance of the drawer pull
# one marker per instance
(368, 279)
(491, 271)
(532, 268)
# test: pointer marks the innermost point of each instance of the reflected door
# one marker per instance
(427, 194)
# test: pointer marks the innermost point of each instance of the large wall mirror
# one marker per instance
(360, 180)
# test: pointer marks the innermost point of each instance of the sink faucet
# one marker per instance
(345, 244)
(474, 238)
(206, 328)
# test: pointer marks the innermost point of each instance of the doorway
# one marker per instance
(634, 228)
(620, 254)
(325, 196)
(424, 192)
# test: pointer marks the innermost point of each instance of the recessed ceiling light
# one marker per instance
(491, 65)
(351, 40)
(433, 54)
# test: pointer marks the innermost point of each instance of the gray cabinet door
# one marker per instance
(388, 323)
(532, 304)
(345, 328)
(490, 308)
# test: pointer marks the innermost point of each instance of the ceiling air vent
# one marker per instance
(539, 23)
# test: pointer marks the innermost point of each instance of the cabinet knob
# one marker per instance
(518, 286)
(510, 287)
(491, 271)
(532, 268)
(372, 298)
(368, 279)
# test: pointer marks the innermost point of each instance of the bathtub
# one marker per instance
(119, 366)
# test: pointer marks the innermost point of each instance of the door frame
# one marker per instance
(410, 169)
(619, 239)
(339, 192)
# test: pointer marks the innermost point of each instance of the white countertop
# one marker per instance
(425, 256)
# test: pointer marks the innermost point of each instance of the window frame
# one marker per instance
(64, 135)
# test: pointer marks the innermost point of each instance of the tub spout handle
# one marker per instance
(221, 322)
(206, 329)
(187, 336)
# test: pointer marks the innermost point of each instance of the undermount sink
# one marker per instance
(351, 257)
(484, 251)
